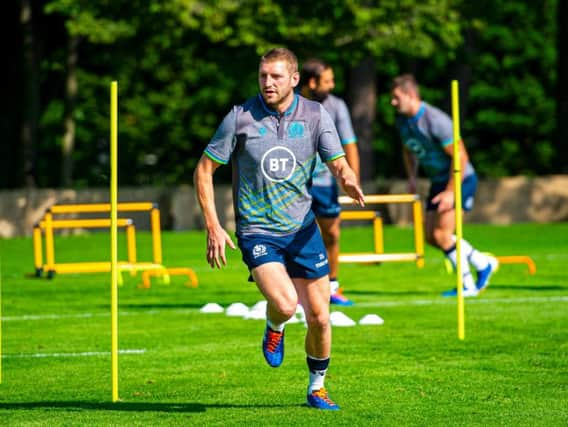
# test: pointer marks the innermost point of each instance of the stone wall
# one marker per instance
(503, 201)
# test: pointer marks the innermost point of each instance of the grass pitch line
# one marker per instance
(444, 301)
(450, 301)
(83, 354)
(51, 316)
(71, 316)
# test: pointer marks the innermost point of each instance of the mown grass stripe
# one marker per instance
(448, 301)
(81, 354)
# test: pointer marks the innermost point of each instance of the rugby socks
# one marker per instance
(318, 369)
(276, 327)
(475, 258)
(333, 285)
(452, 255)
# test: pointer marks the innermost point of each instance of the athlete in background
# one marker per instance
(317, 82)
(427, 136)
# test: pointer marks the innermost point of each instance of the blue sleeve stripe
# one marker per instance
(215, 158)
(335, 157)
(349, 141)
(447, 142)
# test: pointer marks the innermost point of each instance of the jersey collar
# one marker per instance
(272, 112)
(419, 114)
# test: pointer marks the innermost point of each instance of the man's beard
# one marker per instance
(319, 96)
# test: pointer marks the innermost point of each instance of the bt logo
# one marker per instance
(278, 164)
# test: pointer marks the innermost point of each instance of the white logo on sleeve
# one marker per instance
(278, 164)
(258, 251)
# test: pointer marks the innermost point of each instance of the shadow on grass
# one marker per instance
(529, 287)
(130, 406)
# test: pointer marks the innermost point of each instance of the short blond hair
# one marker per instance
(281, 54)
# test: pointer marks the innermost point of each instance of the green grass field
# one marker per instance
(188, 368)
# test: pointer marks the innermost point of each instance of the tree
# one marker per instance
(181, 64)
(68, 143)
(562, 85)
(31, 96)
(11, 87)
(506, 69)
(83, 20)
(363, 100)
(510, 117)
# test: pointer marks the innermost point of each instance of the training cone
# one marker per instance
(337, 318)
(371, 319)
(211, 307)
(237, 309)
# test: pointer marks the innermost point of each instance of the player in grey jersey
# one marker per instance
(273, 140)
(316, 82)
(427, 136)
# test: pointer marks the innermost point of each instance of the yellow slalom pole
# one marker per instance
(458, 204)
(114, 234)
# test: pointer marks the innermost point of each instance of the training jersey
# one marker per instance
(339, 113)
(273, 158)
(425, 135)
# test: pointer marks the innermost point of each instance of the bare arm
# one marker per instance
(352, 156)
(411, 167)
(217, 237)
(446, 198)
(347, 178)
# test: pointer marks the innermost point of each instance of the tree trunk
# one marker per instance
(562, 86)
(68, 145)
(362, 98)
(31, 95)
(11, 101)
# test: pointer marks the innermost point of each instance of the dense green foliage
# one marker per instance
(197, 369)
(181, 64)
(511, 108)
(506, 70)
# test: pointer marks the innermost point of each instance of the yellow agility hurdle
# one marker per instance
(48, 227)
(379, 255)
(176, 271)
(79, 223)
(518, 259)
(377, 225)
(503, 259)
(121, 207)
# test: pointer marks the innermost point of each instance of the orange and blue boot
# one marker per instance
(319, 399)
(273, 347)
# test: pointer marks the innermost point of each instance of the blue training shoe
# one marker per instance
(319, 399)
(466, 293)
(339, 299)
(273, 347)
(484, 275)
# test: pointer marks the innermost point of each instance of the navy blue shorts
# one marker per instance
(325, 201)
(469, 186)
(302, 253)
